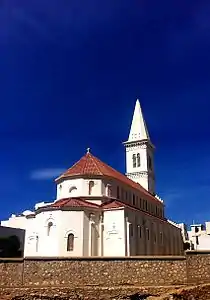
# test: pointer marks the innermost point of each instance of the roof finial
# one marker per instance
(88, 150)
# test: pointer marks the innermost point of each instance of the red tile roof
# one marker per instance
(91, 165)
(72, 202)
(82, 203)
(112, 204)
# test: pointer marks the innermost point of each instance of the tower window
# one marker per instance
(138, 160)
(134, 160)
(70, 242)
(91, 185)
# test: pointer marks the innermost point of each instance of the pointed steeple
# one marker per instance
(138, 129)
(140, 152)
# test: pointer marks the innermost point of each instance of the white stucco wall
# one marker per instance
(78, 187)
(114, 233)
(55, 244)
(15, 222)
(201, 239)
(141, 174)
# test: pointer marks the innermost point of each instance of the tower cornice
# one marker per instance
(139, 143)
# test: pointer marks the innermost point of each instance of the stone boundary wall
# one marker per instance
(194, 268)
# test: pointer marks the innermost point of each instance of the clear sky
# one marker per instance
(70, 72)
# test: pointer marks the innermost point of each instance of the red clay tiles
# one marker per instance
(91, 165)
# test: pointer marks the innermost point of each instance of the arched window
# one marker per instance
(134, 160)
(49, 228)
(138, 160)
(91, 185)
(72, 189)
(108, 190)
(70, 242)
(60, 187)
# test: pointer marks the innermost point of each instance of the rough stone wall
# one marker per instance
(198, 268)
(110, 272)
(11, 273)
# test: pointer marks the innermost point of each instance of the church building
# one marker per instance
(99, 211)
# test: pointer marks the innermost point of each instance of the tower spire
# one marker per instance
(138, 129)
(140, 152)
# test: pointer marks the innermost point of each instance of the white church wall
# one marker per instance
(53, 241)
(86, 236)
(114, 233)
(71, 222)
(31, 239)
(79, 187)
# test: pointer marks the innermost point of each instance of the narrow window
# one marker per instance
(108, 190)
(161, 237)
(134, 199)
(148, 234)
(134, 160)
(49, 228)
(91, 185)
(146, 206)
(140, 231)
(155, 238)
(140, 203)
(126, 195)
(197, 241)
(118, 192)
(138, 160)
(122, 194)
(131, 229)
(196, 229)
(70, 242)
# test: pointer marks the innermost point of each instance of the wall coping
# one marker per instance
(197, 252)
(11, 259)
(96, 258)
(105, 258)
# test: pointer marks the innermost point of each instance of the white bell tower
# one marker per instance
(140, 152)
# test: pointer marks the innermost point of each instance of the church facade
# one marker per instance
(100, 212)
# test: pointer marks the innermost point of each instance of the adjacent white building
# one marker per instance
(198, 237)
(100, 212)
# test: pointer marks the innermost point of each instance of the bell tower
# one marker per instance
(140, 152)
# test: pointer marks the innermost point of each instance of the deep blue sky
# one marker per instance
(70, 72)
